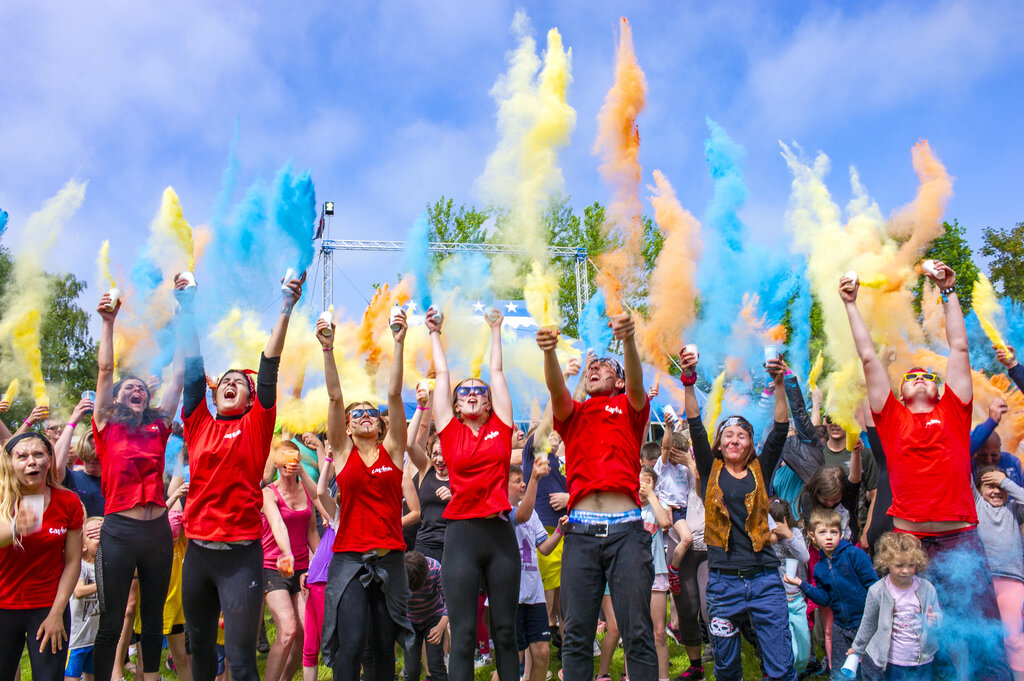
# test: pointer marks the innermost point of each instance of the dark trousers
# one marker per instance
(731, 599)
(842, 641)
(435, 654)
(623, 561)
(366, 633)
(481, 553)
(687, 601)
(127, 545)
(228, 581)
(971, 632)
(18, 627)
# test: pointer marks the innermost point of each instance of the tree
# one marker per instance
(450, 225)
(952, 248)
(67, 349)
(1005, 250)
(588, 235)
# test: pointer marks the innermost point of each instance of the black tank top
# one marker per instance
(432, 524)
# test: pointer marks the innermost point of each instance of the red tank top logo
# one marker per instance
(381, 469)
(228, 436)
(612, 410)
(59, 531)
(491, 435)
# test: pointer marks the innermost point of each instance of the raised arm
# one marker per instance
(804, 424)
(958, 367)
(323, 488)
(105, 361)
(698, 435)
(62, 448)
(395, 440)
(501, 400)
(623, 329)
(541, 467)
(337, 435)
(877, 379)
(561, 398)
(412, 500)
(275, 345)
(771, 451)
(419, 429)
(546, 425)
(443, 412)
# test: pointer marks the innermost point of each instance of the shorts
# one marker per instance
(79, 662)
(551, 565)
(532, 624)
(660, 582)
(678, 513)
(273, 581)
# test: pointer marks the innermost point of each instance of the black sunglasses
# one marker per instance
(360, 413)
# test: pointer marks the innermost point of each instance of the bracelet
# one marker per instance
(419, 408)
(73, 425)
(26, 421)
(330, 349)
(329, 458)
(688, 379)
(558, 529)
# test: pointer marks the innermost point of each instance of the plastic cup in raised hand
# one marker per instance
(115, 295)
(393, 318)
(852, 276)
(328, 317)
(189, 278)
(791, 566)
(929, 267)
(289, 274)
(770, 352)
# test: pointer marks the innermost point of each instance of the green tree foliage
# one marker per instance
(448, 224)
(68, 351)
(1005, 250)
(952, 248)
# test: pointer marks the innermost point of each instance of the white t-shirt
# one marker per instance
(85, 613)
(529, 536)
(674, 483)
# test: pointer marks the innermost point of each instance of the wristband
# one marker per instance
(688, 380)
(73, 425)
(329, 458)
(26, 421)
(946, 291)
(558, 529)
(330, 349)
(419, 408)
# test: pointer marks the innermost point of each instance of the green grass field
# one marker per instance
(679, 662)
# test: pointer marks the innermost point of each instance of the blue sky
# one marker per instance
(387, 104)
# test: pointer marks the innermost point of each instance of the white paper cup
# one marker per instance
(34, 502)
(791, 566)
(115, 294)
(434, 313)
(690, 348)
(851, 665)
(329, 318)
(929, 267)
(393, 318)
(491, 315)
(289, 274)
(189, 277)
(852, 274)
(771, 352)
(669, 413)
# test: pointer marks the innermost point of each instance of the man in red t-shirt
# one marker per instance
(926, 438)
(605, 543)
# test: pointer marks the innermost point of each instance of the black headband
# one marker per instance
(9, 447)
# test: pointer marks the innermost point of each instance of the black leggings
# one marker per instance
(20, 626)
(687, 602)
(366, 634)
(481, 552)
(127, 545)
(228, 581)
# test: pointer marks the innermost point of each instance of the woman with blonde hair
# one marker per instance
(40, 558)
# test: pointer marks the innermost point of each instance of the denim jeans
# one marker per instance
(732, 598)
(842, 640)
(622, 560)
(435, 654)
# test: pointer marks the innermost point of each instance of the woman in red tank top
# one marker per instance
(367, 585)
(480, 548)
(288, 534)
(131, 438)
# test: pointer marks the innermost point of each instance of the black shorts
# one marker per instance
(532, 624)
(273, 581)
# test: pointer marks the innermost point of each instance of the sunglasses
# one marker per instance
(915, 375)
(467, 390)
(360, 413)
(54, 427)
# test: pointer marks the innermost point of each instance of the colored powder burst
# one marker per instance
(417, 261)
(800, 322)
(714, 405)
(844, 392)
(103, 265)
(672, 290)
(816, 369)
(374, 334)
(482, 346)
(294, 200)
(172, 236)
(618, 144)
(522, 173)
(595, 331)
(986, 306)
(3, 221)
(28, 292)
(469, 274)
(12, 391)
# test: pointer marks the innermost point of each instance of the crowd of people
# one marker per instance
(457, 538)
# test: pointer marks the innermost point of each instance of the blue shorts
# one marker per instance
(79, 662)
(678, 514)
(532, 624)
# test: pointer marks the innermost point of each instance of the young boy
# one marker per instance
(674, 485)
(843, 576)
(428, 615)
(656, 519)
(85, 607)
(532, 616)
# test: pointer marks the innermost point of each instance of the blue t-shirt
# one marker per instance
(88, 490)
(552, 483)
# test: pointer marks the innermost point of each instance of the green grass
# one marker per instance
(677, 657)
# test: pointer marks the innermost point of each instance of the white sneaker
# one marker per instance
(482, 660)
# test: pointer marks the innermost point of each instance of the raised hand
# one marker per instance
(848, 289)
(997, 409)
(623, 327)
(547, 338)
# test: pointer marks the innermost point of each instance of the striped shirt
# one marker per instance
(428, 602)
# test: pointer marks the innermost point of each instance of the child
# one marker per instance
(999, 521)
(901, 609)
(831, 488)
(428, 616)
(674, 485)
(657, 518)
(532, 630)
(85, 607)
(789, 545)
(843, 576)
(315, 579)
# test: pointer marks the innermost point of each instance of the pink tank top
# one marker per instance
(296, 522)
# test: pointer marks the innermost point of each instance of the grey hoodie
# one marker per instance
(875, 633)
(999, 529)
